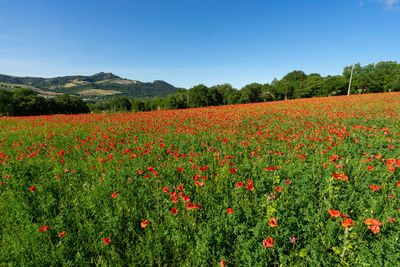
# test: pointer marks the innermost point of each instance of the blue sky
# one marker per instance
(196, 41)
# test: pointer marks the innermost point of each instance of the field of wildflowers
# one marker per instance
(309, 182)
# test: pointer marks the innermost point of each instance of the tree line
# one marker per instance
(373, 78)
(25, 102)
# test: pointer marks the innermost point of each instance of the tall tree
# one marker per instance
(251, 93)
(71, 104)
(333, 85)
(293, 81)
(199, 96)
(267, 93)
(26, 103)
(121, 104)
(6, 102)
(310, 86)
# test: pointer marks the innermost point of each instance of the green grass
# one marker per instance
(286, 149)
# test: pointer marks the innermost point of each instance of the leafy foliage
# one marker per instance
(25, 102)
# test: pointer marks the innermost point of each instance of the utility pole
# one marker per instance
(351, 77)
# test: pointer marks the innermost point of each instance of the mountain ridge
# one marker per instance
(99, 85)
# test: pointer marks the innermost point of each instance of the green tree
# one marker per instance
(138, 105)
(387, 72)
(6, 102)
(224, 94)
(333, 85)
(234, 97)
(251, 93)
(26, 103)
(372, 78)
(177, 100)
(71, 104)
(121, 104)
(310, 86)
(216, 98)
(267, 93)
(291, 85)
(394, 85)
(199, 96)
(155, 103)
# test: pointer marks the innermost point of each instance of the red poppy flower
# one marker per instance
(165, 189)
(44, 228)
(144, 223)
(115, 194)
(150, 169)
(375, 229)
(240, 184)
(348, 222)
(372, 222)
(186, 198)
(180, 188)
(174, 211)
(334, 213)
(222, 263)
(375, 187)
(106, 240)
(32, 188)
(340, 176)
(272, 222)
(180, 170)
(334, 158)
(390, 219)
(189, 206)
(279, 189)
(62, 234)
(269, 243)
(229, 210)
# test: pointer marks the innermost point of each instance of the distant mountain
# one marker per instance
(100, 85)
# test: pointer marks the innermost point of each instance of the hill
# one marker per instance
(99, 85)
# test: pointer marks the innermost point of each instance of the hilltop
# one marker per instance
(99, 85)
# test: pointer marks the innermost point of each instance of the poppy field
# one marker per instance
(300, 182)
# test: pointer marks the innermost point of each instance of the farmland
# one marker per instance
(308, 181)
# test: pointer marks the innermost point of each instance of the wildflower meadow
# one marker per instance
(299, 182)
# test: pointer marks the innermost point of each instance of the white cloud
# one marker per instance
(390, 3)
